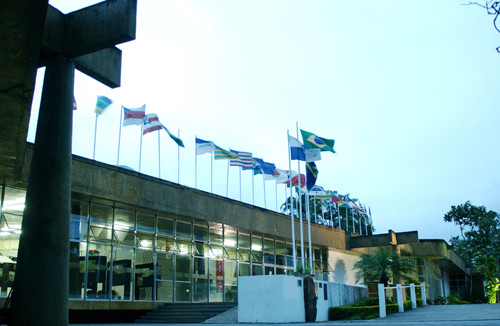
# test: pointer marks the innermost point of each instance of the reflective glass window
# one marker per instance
(99, 257)
(144, 274)
(200, 233)
(165, 277)
(121, 287)
(77, 253)
(216, 279)
(230, 237)
(200, 279)
(216, 235)
(165, 244)
(78, 220)
(244, 241)
(165, 226)
(230, 281)
(184, 247)
(244, 269)
(183, 230)
(145, 223)
(256, 243)
(183, 278)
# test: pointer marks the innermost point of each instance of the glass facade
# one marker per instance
(121, 254)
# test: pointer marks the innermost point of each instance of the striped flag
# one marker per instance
(102, 104)
(204, 146)
(133, 116)
(244, 160)
(222, 154)
(151, 123)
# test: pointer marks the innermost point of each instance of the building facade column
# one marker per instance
(40, 294)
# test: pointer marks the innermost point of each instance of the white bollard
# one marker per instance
(399, 295)
(381, 300)
(422, 290)
(413, 296)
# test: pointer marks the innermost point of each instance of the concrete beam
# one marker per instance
(100, 26)
(104, 66)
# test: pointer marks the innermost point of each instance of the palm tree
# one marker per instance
(382, 265)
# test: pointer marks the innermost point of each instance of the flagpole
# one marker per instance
(360, 229)
(264, 184)
(253, 197)
(353, 226)
(140, 152)
(240, 181)
(119, 137)
(95, 134)
(346, 220)
(309, 232)
(291, 201)
(366, 225)
(195, 165)
(159, 156)
(227, 179)
(276, 194)
(300, 208)
(338, 216)
(212, 172)
(178, 158)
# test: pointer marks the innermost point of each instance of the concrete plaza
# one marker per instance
(472, 314)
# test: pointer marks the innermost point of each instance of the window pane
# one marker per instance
(256, 257)
(184, 247)
(122, 273)
(244, 241)
(244, 269)
(166, 244)
(269, 259)
(268, 270)
(230, 280)
(216, 280)
(232, 253)
(144, 275)
(165, 226)
(165, 277)
(256, 243)
(125, 237)
(145, 240)
(280, 260)
(244, 255)
(200, 233)
(14, 203)
(101, 215)
(230, 238)
(280, 248)
(200, 279)
(183, 268)
(77, 252)
(98, 270)
(145, 223)
(201, 249)
(183, 230)
(257, 270)
(269, 245)
(183, 278)
(78, 220)
(216, 234)
(101, 234)
(124, 219)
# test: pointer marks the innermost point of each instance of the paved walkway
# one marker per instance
(461, 315)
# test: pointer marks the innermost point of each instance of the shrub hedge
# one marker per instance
(366, 309)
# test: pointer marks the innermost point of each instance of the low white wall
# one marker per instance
(270, 299)
(280, 298)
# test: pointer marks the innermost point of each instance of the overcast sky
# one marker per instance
(408, 90)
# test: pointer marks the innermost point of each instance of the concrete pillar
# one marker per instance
(413, 296)
(381, 300)
(40, 294)
(422, 290)
(399, 295)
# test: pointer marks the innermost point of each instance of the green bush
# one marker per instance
(350, 312)
(439, 300)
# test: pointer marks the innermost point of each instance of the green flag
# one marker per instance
(222, 154)
(313, 141)
(177, 140)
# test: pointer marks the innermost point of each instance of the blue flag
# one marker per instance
(311, 175)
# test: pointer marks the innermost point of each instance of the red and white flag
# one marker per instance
(151, 123)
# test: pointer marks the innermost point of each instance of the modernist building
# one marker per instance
(137, 241)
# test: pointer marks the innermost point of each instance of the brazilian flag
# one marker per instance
(313, 141)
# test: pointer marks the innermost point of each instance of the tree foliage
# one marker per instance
(493, 9)
(479, 230)
(479, 240)
(382, 265)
